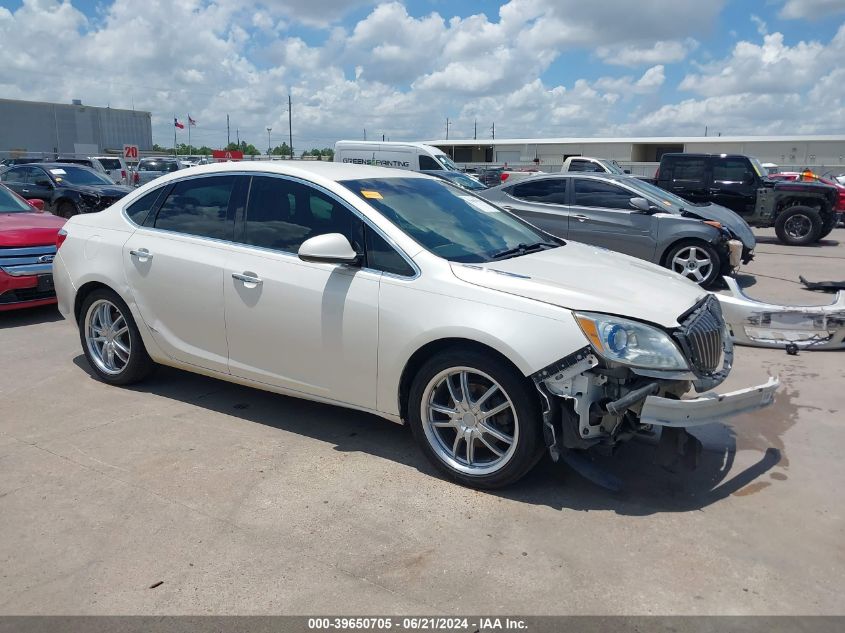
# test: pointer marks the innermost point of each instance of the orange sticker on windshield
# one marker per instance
(372, 195)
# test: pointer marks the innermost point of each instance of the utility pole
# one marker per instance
(269, 129)
(494, 129)
(238, 136)
(382, 138)
(228, 139)
(447, 128)
(475, 129)
(705, 130)
(290, 127)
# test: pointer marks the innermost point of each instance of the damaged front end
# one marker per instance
(596, 399)
(762, 324)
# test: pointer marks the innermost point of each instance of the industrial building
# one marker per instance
(821, 153)
(30, 128)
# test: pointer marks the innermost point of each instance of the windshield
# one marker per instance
(10, 203)
(462, 180)
(762, 172)
(158, 165)
(447, 163)
(77, 175)
(451, 223)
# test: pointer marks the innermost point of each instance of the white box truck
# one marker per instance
(414, 156)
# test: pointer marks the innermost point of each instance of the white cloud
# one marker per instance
(811, 9)
(639, 54)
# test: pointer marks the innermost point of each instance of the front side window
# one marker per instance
(451, 223)
(596, 193)
(427, 163)
(447, 163)
(200, 207)
(10, 203)
(382, 256)
(547, 190)
(281, 214)
(730, 170)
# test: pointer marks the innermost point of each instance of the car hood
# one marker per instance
(728, 219)
(28, 229)
(582, 277)
(111, 191)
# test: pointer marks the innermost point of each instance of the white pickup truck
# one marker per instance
(600, 165)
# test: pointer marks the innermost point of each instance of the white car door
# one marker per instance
(174, 267)
(307, 327)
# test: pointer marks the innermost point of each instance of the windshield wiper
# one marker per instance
(523, 249)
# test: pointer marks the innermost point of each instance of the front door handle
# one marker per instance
(247, 278)
(141, 253)
(25, 190)
(581, 218)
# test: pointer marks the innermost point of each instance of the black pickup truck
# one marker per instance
(801, 212)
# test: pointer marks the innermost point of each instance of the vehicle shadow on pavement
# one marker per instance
(29, 316)
(647, 488)
(768, 239)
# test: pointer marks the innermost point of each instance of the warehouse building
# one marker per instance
(36, 128)
(821, 153)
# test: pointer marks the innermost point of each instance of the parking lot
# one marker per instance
(191, 495)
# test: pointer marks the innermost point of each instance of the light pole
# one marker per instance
(269, 129)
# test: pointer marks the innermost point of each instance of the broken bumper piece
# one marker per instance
(711, 407)
(770, 325)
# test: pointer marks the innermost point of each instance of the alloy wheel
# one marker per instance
(107, 337)
(693, 263)
(469, 421)
(798, 226)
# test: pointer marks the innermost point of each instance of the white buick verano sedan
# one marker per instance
(399, 294)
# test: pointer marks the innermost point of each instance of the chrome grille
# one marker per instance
(28, 260)
(701, 335)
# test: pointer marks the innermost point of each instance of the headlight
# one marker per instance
(631, 342)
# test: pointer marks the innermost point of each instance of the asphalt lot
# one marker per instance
(232, 500)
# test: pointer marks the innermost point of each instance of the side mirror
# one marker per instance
(331, 248)
(641, 204)
(37, 203)
(749, 179)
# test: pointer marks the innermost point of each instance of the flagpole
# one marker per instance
(189, 136)
(175, 153)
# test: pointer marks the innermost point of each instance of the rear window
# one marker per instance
(158, 165)
(110, 163)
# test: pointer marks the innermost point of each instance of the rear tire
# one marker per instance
(798, 226)
(111, 341)
(459, 434)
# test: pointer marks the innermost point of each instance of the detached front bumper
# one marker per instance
(710, 407)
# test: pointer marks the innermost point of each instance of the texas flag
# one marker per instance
(191, 121)
(181, 126)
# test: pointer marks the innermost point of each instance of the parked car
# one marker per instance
(801, 212)
(629, 216)
(397, 294)
(116, 168)
(66, 189)
(462, 180)
(415, 156)
(27, 247)
(491, 176)
(149, 169)
(596, 165)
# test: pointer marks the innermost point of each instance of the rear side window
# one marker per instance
(691, 169)
(140, 209)
(595, 193)
(731, 170)
(548, 190)
(427, 162)
(199, 207)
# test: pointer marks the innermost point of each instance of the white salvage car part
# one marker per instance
(762, 324)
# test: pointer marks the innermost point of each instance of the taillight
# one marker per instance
(657, 173)
(137, 177)
(504, 176)
(123, 173)
(61, 236)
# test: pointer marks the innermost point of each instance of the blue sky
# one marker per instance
(563, 68)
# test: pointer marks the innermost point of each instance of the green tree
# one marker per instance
(281, 150)
(328, 152)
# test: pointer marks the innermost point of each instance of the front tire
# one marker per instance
(111, 340)
(476, 418)
(696, 260)
(798, 226)
(67, 210)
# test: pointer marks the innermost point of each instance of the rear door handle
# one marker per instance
(247, 279)
(581, 218)
(141, 253)
(25, 190)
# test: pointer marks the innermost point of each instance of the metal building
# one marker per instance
(642, 154)
(33, 127)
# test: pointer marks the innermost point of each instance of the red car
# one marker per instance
(27, 247)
